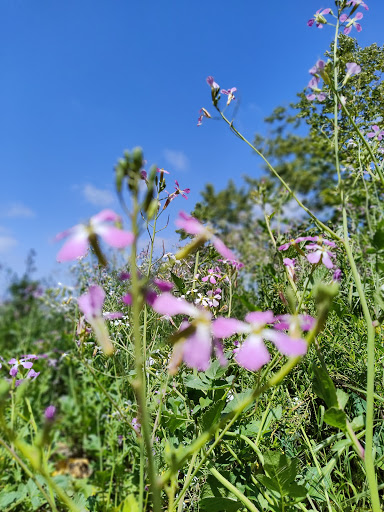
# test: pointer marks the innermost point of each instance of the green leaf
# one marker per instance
(378, 237)
(237, 400)
(194, 382)
(281, 475)
(336, 418)
(178, 282)
(216, 498)
(6, 498)
(324, 387)
(342, 398)
(212, 415)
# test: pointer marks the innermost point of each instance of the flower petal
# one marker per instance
(167, 304)
(198, 349)
(226, 327)
(114, 236)
(91, 303)
(75, 247)
(253, 354)
(285, 344)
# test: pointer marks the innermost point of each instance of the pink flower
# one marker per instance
(50, 413)
(317, 68)
(23, 361)
(357, 3)
(91, 305)
(203, 113)
(212, 84)
(79, 236)
(193, 227)
(319, 18)
(352, 69)
(293, 242)
(320, 254)
(229, 93)
(290, 264)
(253, 353)
(295, 323)
(376, 132)
(196, 347)
(351, 22)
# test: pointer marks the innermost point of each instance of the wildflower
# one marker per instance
(351, 22)
(337, 275)
(195, 347)
(376, 132)
(211, 276)
(296, 241)
(294, 324)
(193, 227)
(357, 3)
(313, 84)
(23, 361)
(317, 68)
(50, 413)
(321, 254)
(229, 93)
(136, 425)
(91, 304)
(178, 191)
(319, 18)
(253, 353)
(290, 264)
(212, 84)
(32, 374)
(203, 113)
(149, 293)
(352, 69)
(81, 236)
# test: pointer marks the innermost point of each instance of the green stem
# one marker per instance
(282, 181)
(139, 383)
(369, 461)
(234, 490)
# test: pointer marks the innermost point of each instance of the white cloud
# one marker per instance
(6, 243)
(18, 210)
(98, 196)
(177, 159)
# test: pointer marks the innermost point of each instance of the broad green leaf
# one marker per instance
(336, 418)
(324, 387)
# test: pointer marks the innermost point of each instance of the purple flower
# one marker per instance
(229, 93)
(193, 227)
(376, 132)
(149, 293)
(253, 353)
(79, 236)
(211, 276)
(212, 84)
(352, 69)
(136, 425)
(203, 113)
(290, 264)
(320, 254)
(317, 68)
(50, 413)
(295, 323)
(32, 374)
(23, 361)
(296, 241)
(196, 347)
(319, 18)
(317, 94)
(91, 305)
(337, 275)
(357, 3)
(351, 22)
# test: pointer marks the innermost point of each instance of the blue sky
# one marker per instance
(84, 79)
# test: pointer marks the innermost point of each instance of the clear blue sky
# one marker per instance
(84, 79)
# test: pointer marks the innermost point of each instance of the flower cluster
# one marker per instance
(320, 252)
(26, 362)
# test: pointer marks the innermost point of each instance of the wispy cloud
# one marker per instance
(6, 243)
(98, 196)
(178, 160)
(17, 210)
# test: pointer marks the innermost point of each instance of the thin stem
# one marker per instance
(282, 181)
(139, 383)
(234, 490)
(369, 461)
